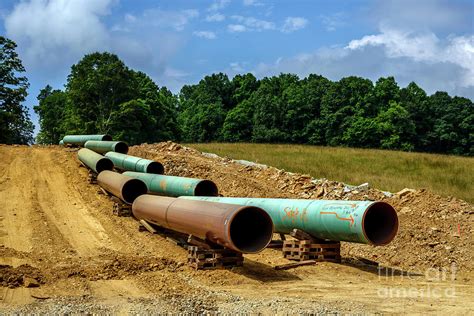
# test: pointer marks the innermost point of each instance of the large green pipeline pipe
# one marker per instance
(103, 147)
(80, 140)
(366, 222)
(132, 163)
(61, 142)
(175, 186)
(94, 161)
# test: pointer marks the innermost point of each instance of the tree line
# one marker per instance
(314, 110)
(103, 95)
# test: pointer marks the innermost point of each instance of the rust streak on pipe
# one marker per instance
(245, 229)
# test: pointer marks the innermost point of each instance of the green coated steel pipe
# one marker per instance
(175, 186)
(61, 143)
(80, 140)
(132, 163)
(366, 222)
(94, 161)
(103, 147)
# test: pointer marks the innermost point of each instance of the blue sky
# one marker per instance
(178, 42)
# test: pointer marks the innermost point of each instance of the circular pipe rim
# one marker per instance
(235, 214)
(155, 167)
(104, 164)
(206, 188)
(394, 231)
(132, 189)
(121, 147)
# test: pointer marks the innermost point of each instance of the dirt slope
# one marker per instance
(58, 231)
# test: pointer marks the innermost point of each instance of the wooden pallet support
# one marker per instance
(302, 235)
(195, 241)
(145, 226)
(301, 250)
(120, 208)
(278, 244)
(308, 247)
(206, 259)
(92, 177)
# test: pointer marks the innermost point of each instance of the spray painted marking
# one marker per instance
(290, 214)
(341, 204)
(163, 185)
(350, 219)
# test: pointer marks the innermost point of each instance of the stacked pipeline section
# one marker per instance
(192, 206)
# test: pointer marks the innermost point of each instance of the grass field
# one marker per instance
(385, 170)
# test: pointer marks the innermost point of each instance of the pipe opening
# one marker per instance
(121, 147)
(206, 188)
(132, 189)
(155, 167)
(106, 137)
(104, 164)
(251, 229)
(380, 223)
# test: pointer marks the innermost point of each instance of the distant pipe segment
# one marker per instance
(123, 187)
(80, 140)
(94, 161)
(175, 186)
(245, 229)
(132, 163)
(103, 147)
(366, 222)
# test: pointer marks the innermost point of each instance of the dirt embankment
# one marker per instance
(62, 250)
(434, 231)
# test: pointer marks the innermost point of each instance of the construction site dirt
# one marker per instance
(64, 251)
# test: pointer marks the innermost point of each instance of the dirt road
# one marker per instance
(59, 230)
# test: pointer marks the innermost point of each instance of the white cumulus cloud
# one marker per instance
(205, 34)
(333, 21)
(48, 30)
(176, 20)
(218, 5)
(254, 24)
(254, 3)
(216, 17)
(237, 66)
(433, 63)
(293, 24)
(236, 28)
(425, 47)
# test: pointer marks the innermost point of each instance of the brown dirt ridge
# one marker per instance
(63, 251)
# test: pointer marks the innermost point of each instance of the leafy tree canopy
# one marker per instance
(15, 124)
(103, 95)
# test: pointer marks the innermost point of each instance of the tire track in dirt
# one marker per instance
(65, 209)
(16, 231)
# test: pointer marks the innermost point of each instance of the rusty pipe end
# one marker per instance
(121, 147)
(104, 164)
(155, 167)
(206, 188)
(250, 229)
(132, 189)
(380, 223)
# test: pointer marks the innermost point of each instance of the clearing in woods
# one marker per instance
(59, 230)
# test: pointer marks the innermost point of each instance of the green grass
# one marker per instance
(385, 170)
